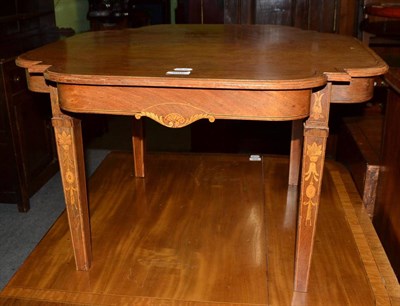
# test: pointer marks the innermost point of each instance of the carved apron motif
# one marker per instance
(175, 120)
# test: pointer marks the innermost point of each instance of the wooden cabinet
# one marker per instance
(200, 11)
(387, 211)
(320, 15)
(339, 16)
(119, 14)
(380, 29)
(27, 152)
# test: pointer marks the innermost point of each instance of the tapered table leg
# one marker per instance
(68, 135)
(295, 152)
(138, 146)
(315, 135)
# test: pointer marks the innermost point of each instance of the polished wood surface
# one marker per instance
(236, 72)
(229, 56)
(208, 230)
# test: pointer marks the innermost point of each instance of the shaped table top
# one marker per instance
(219, 56)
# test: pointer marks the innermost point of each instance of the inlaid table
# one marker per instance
(177, 74)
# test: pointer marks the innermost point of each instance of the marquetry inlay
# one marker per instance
(312, 176)
(316, 113)
(64, 140)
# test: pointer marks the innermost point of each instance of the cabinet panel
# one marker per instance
(200, 11)
(27, 151)
(15, 78)
(8, 178)
(274, 12)
(387, 215)
(8, 8)
(334, 16)
(28, 156)
(32, 118)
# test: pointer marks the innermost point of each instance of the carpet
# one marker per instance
(21, 232)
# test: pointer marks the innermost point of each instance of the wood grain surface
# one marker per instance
(193, 233)
(221, 56)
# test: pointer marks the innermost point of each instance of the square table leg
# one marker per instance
(295, 152)
(315, 136)
(68, 134)
(138, 145)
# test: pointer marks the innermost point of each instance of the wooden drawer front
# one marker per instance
(189, 104)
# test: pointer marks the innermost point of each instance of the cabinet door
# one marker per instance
(339, 16)
(8, 175)
(200, 11)
(28, 158)
(32, 121)
(387, 214)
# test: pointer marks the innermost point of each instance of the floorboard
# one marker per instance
(207, 230)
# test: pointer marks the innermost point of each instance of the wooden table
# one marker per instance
(177, 74)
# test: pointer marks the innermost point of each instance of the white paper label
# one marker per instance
(255, 157)
(180, 71)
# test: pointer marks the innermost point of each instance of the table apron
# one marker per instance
(186, 104)
(357, 90)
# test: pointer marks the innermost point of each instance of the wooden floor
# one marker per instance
(208, 230)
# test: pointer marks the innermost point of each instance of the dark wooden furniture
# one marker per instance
(27, 150)
(339, 16)
(387, 216)
(380, 29)
(119, 14)
(193, 72)
(381, 20)
(358, 147)
(201, 11)
(333, 16)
